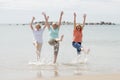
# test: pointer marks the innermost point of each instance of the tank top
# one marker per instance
(53, 33)
(77, 35)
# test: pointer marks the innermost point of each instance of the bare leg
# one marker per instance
(55, 57)
(86, 51)
(61, 38)
(56, 53)
(56, 49)
(38, 49)
(37, 52)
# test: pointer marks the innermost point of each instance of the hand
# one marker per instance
(62, 13)
(33, 18)
(47, 17)
(84, 16)
(43, 13)
(74, 14)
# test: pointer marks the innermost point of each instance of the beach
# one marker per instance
(115, 76)
(100, 37)
(17, 51)
(91, 77)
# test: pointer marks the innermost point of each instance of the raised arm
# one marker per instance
(74, 20)
(84, 19)
(59, 22)
(46, 20)
(32, 23)
(46, 23)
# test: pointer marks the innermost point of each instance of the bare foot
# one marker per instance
(88, 50)
(61, 38)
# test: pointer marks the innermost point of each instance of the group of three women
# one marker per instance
(54, 35)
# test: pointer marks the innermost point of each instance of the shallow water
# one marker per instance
(17, 50)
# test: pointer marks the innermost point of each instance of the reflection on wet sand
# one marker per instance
(61, 70)
(48, 73)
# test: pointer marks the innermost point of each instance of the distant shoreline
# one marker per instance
(68, 23)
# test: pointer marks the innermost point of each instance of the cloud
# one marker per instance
(36, 4)
(93, 8)
(67, 5)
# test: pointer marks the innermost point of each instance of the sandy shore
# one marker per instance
(85, 77)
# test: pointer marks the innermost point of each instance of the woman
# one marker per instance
(77, 35)
(38, 40)
(54, 35)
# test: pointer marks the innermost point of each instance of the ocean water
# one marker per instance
(17, 50)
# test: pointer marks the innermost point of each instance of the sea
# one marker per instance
(17, 50)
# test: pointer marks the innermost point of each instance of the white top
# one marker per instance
(38, 35)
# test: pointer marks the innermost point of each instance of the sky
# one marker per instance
(22, 11)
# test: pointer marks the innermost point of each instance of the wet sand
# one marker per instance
(115, 76)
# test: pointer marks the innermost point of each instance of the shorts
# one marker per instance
(55, 44)
(78, 46)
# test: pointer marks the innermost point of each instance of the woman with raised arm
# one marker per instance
(38, 40)
(54, 35)
(77, 35)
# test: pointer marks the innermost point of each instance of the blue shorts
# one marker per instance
(77, 45)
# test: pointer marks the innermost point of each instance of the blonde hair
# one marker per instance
(79, 25)
(38, 25)
(55, 23)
